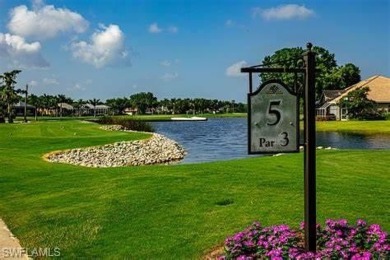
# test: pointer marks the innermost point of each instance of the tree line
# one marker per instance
(138, 103)
(141, 103)
(146, 102)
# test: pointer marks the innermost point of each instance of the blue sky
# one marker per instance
(178, 48)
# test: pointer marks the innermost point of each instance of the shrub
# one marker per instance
(337, 240)
(360, 107)
(128, 124)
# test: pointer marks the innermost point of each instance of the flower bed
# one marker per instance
(336, 240)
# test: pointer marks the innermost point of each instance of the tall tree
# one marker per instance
(342, 77)
(78, 105)
(143, 100)
(330, 76)
(118, 104)
(8, 93)
(49, 103)
(60, 100)
(35, 101)
(285, 58)
(165, 105)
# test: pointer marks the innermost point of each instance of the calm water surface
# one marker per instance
(226, 138)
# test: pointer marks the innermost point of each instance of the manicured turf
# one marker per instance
(364, 127)
(168, 212)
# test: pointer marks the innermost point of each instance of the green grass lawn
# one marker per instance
(169, 212)
(365, 127)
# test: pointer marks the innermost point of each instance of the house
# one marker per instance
(65, 108)
(95, 110)
(379, 91)
(20, 106)
(130, 111)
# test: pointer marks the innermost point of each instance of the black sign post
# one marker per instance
(309, 133)
(310, 151)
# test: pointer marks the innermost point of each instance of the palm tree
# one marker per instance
(8, 93)
(94, 102)
(78, 105)
(60, 100)
(118, 104)
(25, 92)
(165, 105)
(35, 101)
(49, 102)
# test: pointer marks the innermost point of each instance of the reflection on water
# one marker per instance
(226, 138)
(353, 141)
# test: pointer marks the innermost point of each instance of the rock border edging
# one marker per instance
(156, 150)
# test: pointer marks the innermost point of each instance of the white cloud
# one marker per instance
(284, 12)
(50, 81)
(37, 4)
(153, 28)
(78, 86)
(21, 53)
(235, 69)
(170, 76)
(106, 47)
(169, 63)
(18, 44)
(173, 29)
(165, 63)
(44, 21)
(33, 83)
(229, 23)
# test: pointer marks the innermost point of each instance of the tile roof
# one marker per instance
(66, 106)
(22, 104)
(331, 94)
(379, 89)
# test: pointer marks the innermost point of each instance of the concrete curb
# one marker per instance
(9, 245)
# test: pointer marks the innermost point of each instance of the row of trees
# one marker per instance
(146, 102)
(141, 103)
(56, 103)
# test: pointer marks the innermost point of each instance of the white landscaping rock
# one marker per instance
(156, 150)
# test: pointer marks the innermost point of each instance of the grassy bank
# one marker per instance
(363, 127)
(168, 212)
(155, 117)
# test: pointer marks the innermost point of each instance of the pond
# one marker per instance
(226, 138)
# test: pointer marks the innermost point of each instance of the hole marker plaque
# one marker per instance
(273, 122)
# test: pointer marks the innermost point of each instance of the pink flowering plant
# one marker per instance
(336, 240)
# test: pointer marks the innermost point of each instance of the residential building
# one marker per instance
(379, 92)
